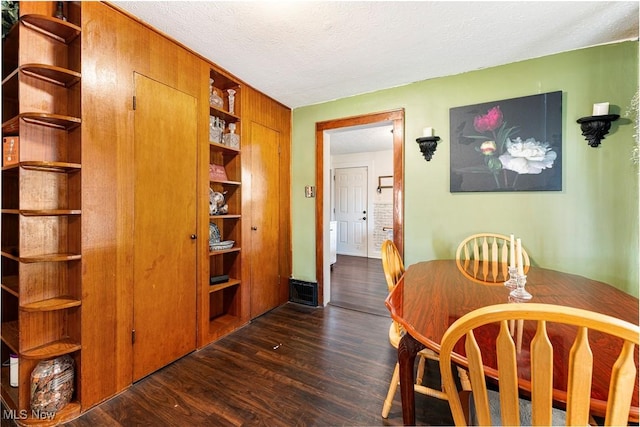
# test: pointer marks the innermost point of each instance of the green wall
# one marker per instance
(589, 228)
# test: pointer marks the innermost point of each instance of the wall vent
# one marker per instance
(303, 292)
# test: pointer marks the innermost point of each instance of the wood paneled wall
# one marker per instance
(261, 109)
(114, 46)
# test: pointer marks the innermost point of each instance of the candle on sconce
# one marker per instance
(519, 256)
(512, 253)
(600, 109)
(427, 132)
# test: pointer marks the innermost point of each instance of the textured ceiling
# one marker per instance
(306, 52)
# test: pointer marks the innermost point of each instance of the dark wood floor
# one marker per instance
(296, 365)
(358, 283)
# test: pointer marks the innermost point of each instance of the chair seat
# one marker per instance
(558, 416)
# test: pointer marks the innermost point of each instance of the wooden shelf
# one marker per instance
(61, 257)
(9, 333)
(52, 349)
(52, 74)
(222, 114)
(224, 251)
(58, 167)
(43, 212)
(227, 216)
(56, 121)
(11, 285)
(55, 28)
(221, 286)
(234, 183)
(221, 148)
(51, 304)
(224, 324)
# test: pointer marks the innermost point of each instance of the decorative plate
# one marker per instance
(214, 234)
(220, 246)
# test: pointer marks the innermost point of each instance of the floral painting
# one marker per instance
(509, 145)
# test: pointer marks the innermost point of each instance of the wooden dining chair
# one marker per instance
(490, 407)
(484, 257)
(393, 268)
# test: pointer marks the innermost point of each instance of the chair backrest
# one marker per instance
(391, 264)
(484, 257)
(549, 317)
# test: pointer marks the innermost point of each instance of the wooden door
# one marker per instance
(164, 289)
(351, 211)
(265, 214)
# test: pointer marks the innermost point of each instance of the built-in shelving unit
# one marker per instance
(221, 308)
(41, 252)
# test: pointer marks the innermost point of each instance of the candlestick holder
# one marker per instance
(428, 145)
(520, 293)
(512, 283)
(594, 128)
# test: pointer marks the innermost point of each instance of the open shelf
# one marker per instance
(10, 284)
(57, 121)
(52, 349)
(224, 251)
(237, 183)
(221, 148)
(51, 304)
(55, 28)
(222, 114)
(9, 333)
(221, 286)
(59, 167)
(52, 74)
(43, 212)
(59, 257)
(226, 216)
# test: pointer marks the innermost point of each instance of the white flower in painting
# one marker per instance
(527, 157)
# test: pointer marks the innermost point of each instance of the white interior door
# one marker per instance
(351, 210)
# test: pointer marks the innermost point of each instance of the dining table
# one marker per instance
(431, 295)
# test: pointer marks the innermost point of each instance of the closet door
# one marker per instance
(164, 289)
(265, 215)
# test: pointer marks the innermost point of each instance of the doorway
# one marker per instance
(323, 192)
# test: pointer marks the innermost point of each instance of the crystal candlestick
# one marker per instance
(512, 282)
(520, 292)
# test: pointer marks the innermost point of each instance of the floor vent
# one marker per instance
(303, 292)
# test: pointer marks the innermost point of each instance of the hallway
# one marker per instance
(358, 283)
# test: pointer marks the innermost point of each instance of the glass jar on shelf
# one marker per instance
(215, 100)
(216, 129)
(231, 139)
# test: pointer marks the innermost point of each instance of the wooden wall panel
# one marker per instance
(263, 110)
(113, 47)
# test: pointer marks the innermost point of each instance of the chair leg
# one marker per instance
(395, 378)
(420, 373)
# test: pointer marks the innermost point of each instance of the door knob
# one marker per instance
(194, 237)
(364, 212)
(364, 218)
(254, 228)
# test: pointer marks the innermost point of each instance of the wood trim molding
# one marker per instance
(397, 118)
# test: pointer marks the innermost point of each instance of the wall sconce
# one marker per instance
(428, 143)
(596, 126)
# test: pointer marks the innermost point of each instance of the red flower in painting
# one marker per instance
(490, 121)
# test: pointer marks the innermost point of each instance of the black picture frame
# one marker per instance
(507, 145)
